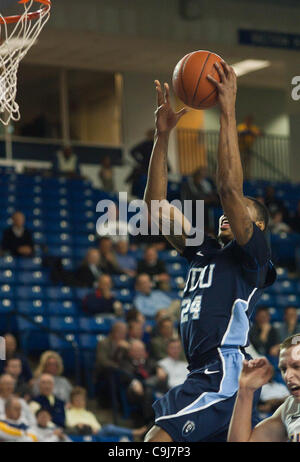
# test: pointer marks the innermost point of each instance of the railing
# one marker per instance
(270, 159)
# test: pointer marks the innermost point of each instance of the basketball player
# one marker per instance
(284, 424)
(224, 282)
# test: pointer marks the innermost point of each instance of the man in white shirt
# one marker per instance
(7, 388)
(12, 427)
(172, 365)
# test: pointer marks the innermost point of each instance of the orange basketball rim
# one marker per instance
(29, 16)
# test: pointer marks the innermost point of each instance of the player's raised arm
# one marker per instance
(255, 373)
(156, 189)
(229, 171)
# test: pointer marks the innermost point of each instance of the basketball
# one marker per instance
(189, 79)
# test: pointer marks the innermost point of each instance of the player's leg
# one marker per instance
(157, 435)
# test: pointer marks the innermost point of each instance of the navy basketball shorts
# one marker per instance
(201, 408)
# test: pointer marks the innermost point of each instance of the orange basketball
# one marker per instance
(189, 79)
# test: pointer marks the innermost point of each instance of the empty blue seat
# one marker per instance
(33, 277)
(276, 314)
(177, 269)
(62, 226)
(62, 308)
(59, 293)
(63, 342)
(81, 292)
(35, 324)
(171, 256)
(85, 227)
(267, 299)
(124, 295)
(283, 287)
(59, 239)
(30, 292)
(32, 307)
(30, 264)
(8, 262)
(98, 324)
(123, 281)
(84, 240)
(6, 291)
(63, 323)
(287, 300)
(60, 251)
(7, 276)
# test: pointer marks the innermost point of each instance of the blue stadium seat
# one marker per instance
(6, 291)
(59, 293)
(124, 295)
(63, 324)
(276, 314)
(32, 307)
(59, 239)
(98, 324)
(86, 227)
(171, 256)
(84, 240)
(33, 277)
(33, 337)
(7, 276)
(63, 342)
(81, 292)
(176, 269)
(267, 299)
(60, 250)
(88, 341)
(30, 264)
(8, 262)
(283, 287)
(30, 292)
(122, 281)
(62, 308)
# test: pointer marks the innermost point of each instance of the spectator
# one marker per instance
(108, 261)
(88, 272)
(114, 227)
(7, 390)
(135, 330)
(12, 427)
(277, 225)
(66, 163)
(106, 175)
(295, 221)
(159, 343)
(247, 134)
(149, 301)
(142, 377)
(52, 363)
(83, 422)
(262, 335)
(135, 315)
(17, 240)
(12, 352)
(199, 187)
(111, 349)
(274, 204)
(102, 300)
(175, 368)
(126, 262)
(46, 431)
(290, 325)
(13, 367)
(151, 265)
(47, 400)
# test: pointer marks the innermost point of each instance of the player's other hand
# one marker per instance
(165, 118)
(227, 87)
(255, 374)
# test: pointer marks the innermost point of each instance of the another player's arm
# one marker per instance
(255, 373)
(157, 182)
(229, 170)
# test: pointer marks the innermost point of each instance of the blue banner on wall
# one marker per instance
(262, 38)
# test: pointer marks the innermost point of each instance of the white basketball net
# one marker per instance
(16, 39)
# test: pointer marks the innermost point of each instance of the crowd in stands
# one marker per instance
(142, 355)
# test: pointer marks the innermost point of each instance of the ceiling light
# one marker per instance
(249, 65)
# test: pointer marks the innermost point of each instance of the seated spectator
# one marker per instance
(47, 400)
(173, 365)
(111, 349)
(7, 390)
(88, 272)
(12, 427)
(134, 315)
(274, 204)
(46, 431)
(295, 220)
(277, 225)
(135, 330)
(17, 240)
(13, 367)
(113, 226)
(102, 300)
(272, 396)
(159, 343)
(199, 187)
(106, 175)
(66, 163)
(262, 335)
(83, 422)
(291, 325)
(142, 377)
(52, 363)
(151, 265)
(108, 260)
(149, 301)
(126, 262)
(12, 352)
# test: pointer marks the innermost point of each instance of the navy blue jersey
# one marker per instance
(222, 288)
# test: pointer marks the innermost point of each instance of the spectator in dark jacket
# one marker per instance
(88, 272)
(102, 300)
(17, 240)
(47, 400)
(262, 335)
(150, 264)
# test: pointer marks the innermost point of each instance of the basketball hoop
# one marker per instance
(17, 34)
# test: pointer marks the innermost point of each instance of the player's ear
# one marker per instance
(261, 225)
